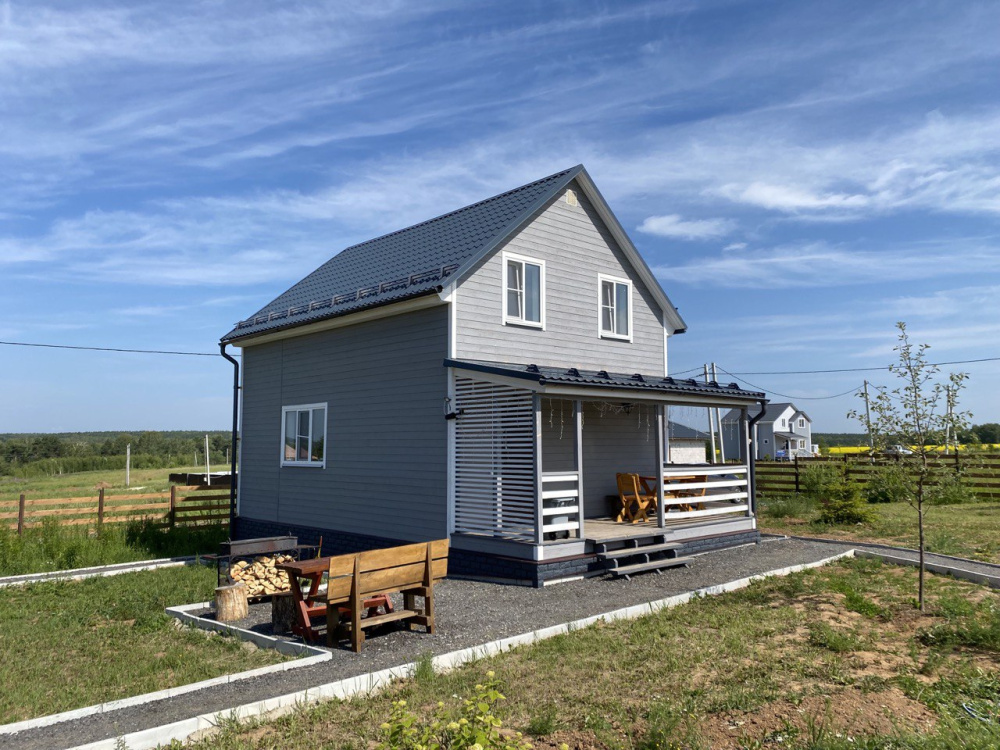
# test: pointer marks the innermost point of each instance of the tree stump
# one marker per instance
(282, 613)
(231, 603)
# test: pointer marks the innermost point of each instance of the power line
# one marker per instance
(107, 349)
(786, 395)
(862, 369)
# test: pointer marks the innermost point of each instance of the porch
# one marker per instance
(536, 463)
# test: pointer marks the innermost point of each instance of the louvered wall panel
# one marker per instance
(494, 461)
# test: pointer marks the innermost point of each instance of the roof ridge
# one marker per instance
(498, 196)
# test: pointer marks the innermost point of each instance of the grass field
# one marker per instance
(49, 547)
(70, 644)
(84, 483)
(831, 658)
(969, 530)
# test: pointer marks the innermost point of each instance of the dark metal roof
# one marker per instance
(545, 375)
(678, 431)
(771, 413)
(407, 263)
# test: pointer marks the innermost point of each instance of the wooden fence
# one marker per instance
(979, 471)
(180, 506)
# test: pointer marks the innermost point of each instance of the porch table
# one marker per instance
(306, 605)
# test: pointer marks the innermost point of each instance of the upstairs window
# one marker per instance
(524, 291)
(303, 435)
(615, 308)
(802, 422)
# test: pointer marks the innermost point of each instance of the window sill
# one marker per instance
(304, 464)
(524, 324)
(615, 337)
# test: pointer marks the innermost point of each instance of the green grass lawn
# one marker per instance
(49, 547)
(84, 483)
(969, 530)
(830, 658)
(65, 645)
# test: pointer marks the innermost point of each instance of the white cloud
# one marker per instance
(672, 225)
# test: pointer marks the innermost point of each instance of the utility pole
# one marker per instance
(868, 422)
(711, 420)
(718, 421)
(128, 463)
(208, 467)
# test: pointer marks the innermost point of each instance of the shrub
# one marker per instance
(888, 484)
(471, 726)
(951, 489)
(818, 481)
(844, 504)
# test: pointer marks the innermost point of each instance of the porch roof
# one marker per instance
(547, 379)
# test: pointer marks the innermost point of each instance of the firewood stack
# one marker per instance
(260, 576)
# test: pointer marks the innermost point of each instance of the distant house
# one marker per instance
(783, 432)
(686, 444)
(481, 376)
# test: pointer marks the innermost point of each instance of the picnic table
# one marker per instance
(307, 604)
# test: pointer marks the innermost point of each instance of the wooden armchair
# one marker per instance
(636, 502)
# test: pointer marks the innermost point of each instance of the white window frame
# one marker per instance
(326, 438)
(509, 319)
(802, 422)
(601, 278)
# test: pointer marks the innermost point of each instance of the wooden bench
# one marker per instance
(410, 570)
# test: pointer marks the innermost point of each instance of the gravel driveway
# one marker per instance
(468, 613)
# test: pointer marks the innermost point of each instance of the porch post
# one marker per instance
(748, 450)
(536, 403)
(661, 512)
(578, 416)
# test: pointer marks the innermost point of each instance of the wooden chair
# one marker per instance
(635, 502)
(676, 491)
(411, 570)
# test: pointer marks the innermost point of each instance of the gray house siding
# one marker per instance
(386, 469)
(576, 247)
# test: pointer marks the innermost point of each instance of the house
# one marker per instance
(687, 445)
(484, 376)
(783, 431)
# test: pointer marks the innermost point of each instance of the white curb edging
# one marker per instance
(99, 571)
(313, 656)
(369, 683)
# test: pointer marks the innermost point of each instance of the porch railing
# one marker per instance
(561, 507)
(708, 490)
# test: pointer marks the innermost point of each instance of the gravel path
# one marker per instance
(468, 614)
(985, 569)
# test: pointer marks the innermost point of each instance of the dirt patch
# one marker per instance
(849, 711)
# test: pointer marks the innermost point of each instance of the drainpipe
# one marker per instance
(752, 455)
(232, 451)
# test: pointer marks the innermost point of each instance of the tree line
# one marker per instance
(28, 455)
(977, 434)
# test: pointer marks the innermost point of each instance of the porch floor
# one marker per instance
(602, 529)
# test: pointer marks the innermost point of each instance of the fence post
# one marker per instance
(100, 510)
(20, 514)
(173, 505)
(796, 475)
(957, 467)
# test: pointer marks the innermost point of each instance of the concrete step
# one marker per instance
(630, 551)
(629, 570)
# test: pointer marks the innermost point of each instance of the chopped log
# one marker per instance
(282, 613)
(231, 603)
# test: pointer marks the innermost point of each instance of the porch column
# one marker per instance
(748, 452)
(661, 512)
(536, 403)
(578, 416)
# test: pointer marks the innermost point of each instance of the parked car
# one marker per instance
(897, 450)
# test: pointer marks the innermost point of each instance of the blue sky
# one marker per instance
(799, 175)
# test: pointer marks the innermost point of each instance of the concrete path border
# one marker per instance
(967, 575)
(364, 684)
(100, 571)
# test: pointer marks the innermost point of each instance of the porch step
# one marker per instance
(630, 551)
(667, 562)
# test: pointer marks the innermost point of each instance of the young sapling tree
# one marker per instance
(917, 414)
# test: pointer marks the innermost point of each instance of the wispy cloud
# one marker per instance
(820, 264)
(672, 225)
